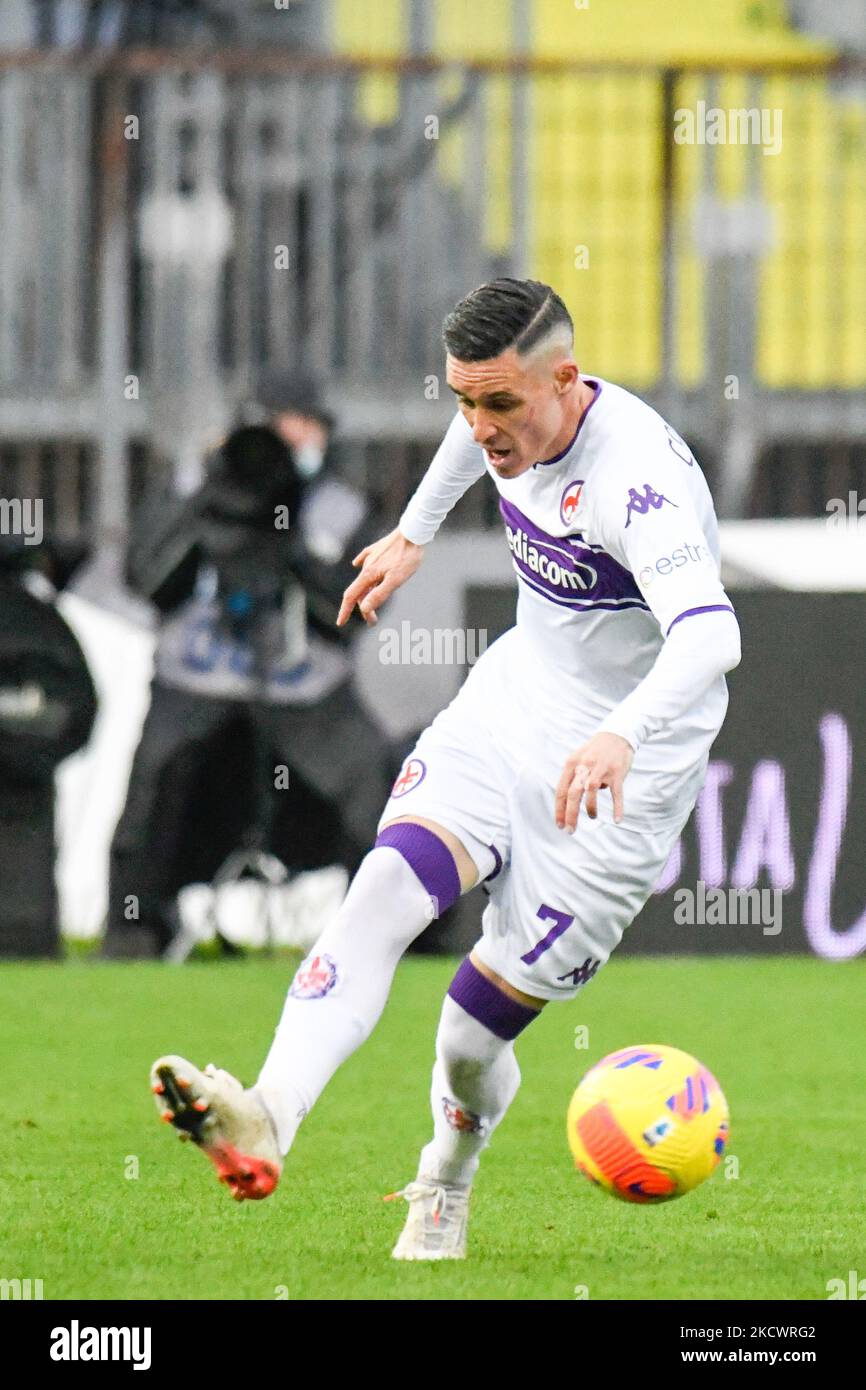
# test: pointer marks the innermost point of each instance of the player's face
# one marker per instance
(521, 412)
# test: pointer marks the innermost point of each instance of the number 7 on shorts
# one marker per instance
(561, 923)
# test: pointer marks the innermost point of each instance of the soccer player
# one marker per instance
(612, 680)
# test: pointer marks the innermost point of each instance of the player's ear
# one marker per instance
(566, 375)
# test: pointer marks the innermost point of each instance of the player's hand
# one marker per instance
(603, 762)
(385, 565)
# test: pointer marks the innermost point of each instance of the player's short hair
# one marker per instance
(502, 314)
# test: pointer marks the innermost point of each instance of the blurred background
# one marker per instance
(218, 216)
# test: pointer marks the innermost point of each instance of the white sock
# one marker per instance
(340, 989)
(475, 1079)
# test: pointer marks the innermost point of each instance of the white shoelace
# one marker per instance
(415, 1191)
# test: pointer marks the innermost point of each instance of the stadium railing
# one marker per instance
(171, 221)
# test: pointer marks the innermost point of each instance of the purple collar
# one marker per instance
(545, 463)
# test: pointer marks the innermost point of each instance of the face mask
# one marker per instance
(308, 459)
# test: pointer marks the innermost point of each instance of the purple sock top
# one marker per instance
(428, 857)
(480, 997)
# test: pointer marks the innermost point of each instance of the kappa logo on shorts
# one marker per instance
(412, 773)
(466, 1121)
(315, 977)
(570, 501)
(581, 974)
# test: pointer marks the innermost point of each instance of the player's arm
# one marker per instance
(389, 562)
(673, 566)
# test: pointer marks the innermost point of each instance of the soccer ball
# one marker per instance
(648, 1123)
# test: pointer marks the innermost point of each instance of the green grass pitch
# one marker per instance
(99, 1200)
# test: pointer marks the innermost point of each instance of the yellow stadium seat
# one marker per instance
(594, 170)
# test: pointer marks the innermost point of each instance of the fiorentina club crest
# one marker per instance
(570, 501)
(412, 772)
(315, 977)
(465, 1121)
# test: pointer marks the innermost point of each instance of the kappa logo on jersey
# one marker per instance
(314, 978)
(641, 505)
(466, 1121)
(570, 501)
(412, 773)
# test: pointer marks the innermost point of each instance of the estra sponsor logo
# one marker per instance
(666, 564)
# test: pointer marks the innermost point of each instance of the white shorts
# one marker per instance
(558, 903)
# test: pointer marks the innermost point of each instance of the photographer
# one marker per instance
(250, 678)
(47, 709)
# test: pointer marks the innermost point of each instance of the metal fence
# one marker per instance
(171, 223)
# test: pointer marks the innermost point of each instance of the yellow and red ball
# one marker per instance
(648, 1123)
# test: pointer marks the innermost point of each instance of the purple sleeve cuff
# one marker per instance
(708, 608)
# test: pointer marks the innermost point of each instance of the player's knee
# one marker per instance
(428, 857)
(467, 867)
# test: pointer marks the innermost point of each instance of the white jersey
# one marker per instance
(622, 625)
(614, 543)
